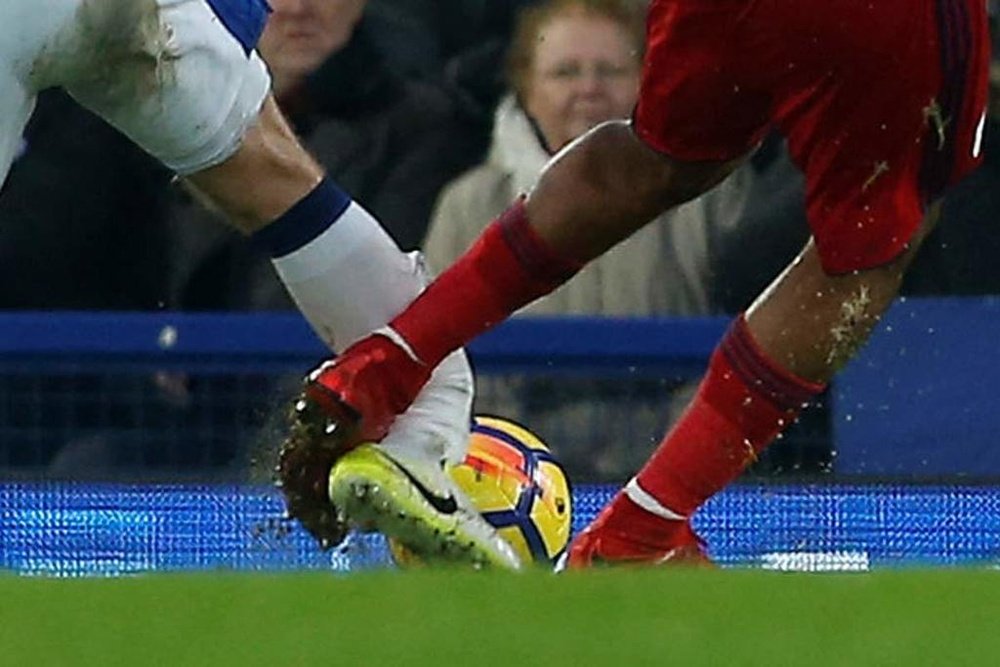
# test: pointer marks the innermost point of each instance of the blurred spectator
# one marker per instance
(573, 64)
(82, 228)
(390, 141)
(81, 224)
(426, 38)
(459, 44)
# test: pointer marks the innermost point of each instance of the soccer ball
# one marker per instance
(518, 486)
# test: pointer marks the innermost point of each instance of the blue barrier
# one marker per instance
(917, 403)
(578, 344)
(921, 399)
(84, 530)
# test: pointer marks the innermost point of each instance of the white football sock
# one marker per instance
(348, 277)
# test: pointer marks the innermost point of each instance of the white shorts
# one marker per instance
(167, 73)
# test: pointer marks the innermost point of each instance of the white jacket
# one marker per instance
(664, 269)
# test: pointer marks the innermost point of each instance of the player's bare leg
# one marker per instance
(264, 178)
(181, 78)
(773, 360)
(348, 278)
(812, 322)
(595, 193)
(606, 186)
(709, 92)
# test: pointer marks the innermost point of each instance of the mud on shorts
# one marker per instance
(883, 103)
(179, 77)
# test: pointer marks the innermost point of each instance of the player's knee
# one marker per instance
(650, 174)
(267, 175)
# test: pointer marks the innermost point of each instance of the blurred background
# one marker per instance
(144, 342)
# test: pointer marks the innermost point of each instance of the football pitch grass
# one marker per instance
(444, 618)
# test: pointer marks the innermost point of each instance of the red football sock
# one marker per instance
(508, 267)
(744, 401)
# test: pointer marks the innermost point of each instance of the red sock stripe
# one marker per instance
(535, 255)
(763, 376)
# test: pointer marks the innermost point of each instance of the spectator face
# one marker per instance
(301, 34)
(583, 72)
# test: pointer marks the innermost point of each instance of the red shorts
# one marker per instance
(882, 102)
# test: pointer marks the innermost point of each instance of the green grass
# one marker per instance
(619, 618)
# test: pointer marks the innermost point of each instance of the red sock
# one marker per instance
(508, 267)
(744, 401)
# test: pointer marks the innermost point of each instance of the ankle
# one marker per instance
(624, 515)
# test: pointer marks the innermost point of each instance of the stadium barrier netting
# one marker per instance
(144, 442)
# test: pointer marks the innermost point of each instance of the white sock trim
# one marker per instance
(643, 499)
(400, 342)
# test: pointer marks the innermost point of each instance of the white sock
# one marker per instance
(348, 278)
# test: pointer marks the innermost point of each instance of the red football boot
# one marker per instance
(612, 540)
(363, 389)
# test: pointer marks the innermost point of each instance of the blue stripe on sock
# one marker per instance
(308, 218)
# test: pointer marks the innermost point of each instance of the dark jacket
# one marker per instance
(81, 217)
(389, 141)
(960, 255)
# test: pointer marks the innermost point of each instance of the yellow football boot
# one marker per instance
(374, 492)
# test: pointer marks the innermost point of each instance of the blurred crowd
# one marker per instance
(434, 115)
